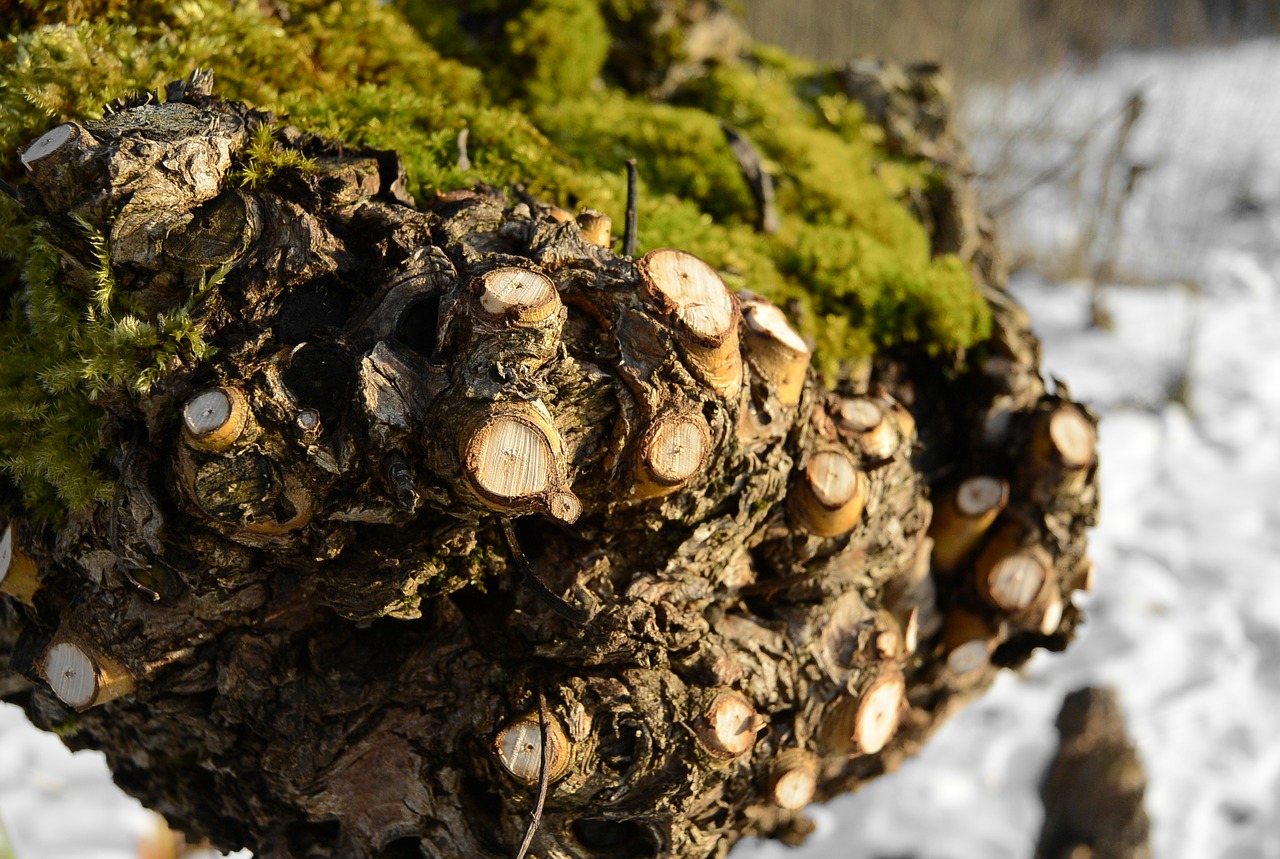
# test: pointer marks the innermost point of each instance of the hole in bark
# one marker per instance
(419, 325)
(629, 839)
(322, 377)
(409, 847)
(303, 835)
(620, 738)
(180, 559)
(305, 314)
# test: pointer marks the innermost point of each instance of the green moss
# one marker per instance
(527, 80)
(682, 150)
(59, 355)
(265, 157)
(557, 48)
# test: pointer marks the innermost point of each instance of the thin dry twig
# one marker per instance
(535, 820)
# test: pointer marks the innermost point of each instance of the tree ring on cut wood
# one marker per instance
(1015, 582)
(19, 576)
(962, 518)
(214, 420)
(674, 449)
(1073, 436)
(878, 712)
(979, 495)
(776, 350)
(793, 779)
(729, 727)
(864, 419)
(82, 679)
(520, 296)
(48, 143)
(829, 498)
(510, 459)
(1065, 437)
(969, 657)
(864, 724)
(969, 641)
(703, 310)
(596, 227)
(518, 747)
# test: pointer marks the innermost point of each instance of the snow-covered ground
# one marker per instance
(1185, 620)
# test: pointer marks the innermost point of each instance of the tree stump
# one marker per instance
(461, 506)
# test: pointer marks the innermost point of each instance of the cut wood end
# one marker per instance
(704, 312)
(596, 227)
(902, 415)
(215, 419)
(981, 495)
(793, 780)
(1051, 615)
(48, 143)
(518, 748)
(518, 295)
(19, 576)
(79, 679)
(777, 351)
(557, 214)
(964, 517)
(510, 458)
(969, 641)
(730, 726)
(1073, 437)
(969, 657)
(692, 290)
(768, 321)
(830, 499)
(888, 644)
(676, 448)
(864, 417)
(879, 709)
(860, 414)
(833, 478)
(1017, 582)
(911, 631)
(308, 421)
(565, 506)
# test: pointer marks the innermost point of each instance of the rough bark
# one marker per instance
(1093, 791)
(404, 525)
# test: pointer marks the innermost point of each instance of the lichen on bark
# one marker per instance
(391, 469)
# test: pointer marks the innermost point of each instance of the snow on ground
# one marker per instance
(1185, 620)
(1208, 176)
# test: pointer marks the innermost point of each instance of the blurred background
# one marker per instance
(1129, 152)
